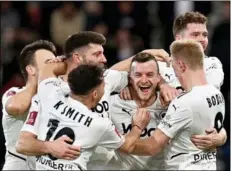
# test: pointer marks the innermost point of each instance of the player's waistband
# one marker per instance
(15, 155)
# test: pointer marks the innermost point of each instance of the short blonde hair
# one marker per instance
(190, 51)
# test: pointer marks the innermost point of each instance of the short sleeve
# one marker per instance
(178, 117)
(214, 71)
(8, 94)
(168, 75)
(111, 137)
(116, 80)
(32, 122)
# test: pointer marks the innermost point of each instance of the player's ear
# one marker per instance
(31, 70)
(94, 94)
(77, 58)
(130, 78)
(178, 36)
(182, 66)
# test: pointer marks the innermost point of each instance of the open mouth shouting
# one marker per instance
(145, 89)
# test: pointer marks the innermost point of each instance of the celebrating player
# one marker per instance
(192, 25)
(144, 77)
(82, 48)
(16, 101)
(72, 116)
(201, 107)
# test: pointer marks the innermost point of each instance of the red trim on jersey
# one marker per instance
(32, 118)
(10, 93)
(117, 132)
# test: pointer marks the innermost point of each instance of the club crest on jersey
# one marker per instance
(10, 93)
(32, 118)
(162, 114)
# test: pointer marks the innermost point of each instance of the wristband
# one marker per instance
(138, 127)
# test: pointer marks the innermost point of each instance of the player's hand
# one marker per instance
(56, 60)
(167, 94)
(60, 148)
(141, 118)
(125, 94)
(206, 142)
(160, 55)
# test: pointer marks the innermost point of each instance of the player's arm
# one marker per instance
(178, 117)
(52, 68)
(112, 139)
(17, 104)
(152, 145)
(139, 123)
(167, 92)
(160, 55)
(121, 81)
(211, 140)
(29, 145)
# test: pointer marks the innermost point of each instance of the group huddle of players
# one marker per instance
(150, 111)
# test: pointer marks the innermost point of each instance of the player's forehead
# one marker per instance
(92, 47)
(196, 27)
(146, 67)
(42, 55)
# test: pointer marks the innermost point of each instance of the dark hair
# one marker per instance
(144, 57)
(27, 54)
(84, 78)
(82, 39)
(181, 22)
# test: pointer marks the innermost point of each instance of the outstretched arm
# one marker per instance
(160, 55)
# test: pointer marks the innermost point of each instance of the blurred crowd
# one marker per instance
(128, 26)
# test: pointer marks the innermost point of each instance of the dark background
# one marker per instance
(128, 26)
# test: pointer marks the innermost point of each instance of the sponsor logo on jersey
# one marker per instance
(204, 157)
(54, 164)
(101, 107)
(32, 118)
(146, 131)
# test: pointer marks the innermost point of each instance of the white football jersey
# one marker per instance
(62, 115)
(102, 155)
(190, 114)
(212, 67)
(122, 112)
(12, 125)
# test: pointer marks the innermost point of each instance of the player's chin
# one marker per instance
(143, 96)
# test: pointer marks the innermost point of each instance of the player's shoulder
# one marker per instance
(100, 124)
(117, 102)
(11, 92)
(183, 100)
(212, 60)
(35, 99)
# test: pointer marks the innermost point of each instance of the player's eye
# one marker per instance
(195, 34)
(205, 34)
(137, 75)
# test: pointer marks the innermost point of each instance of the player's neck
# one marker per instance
(143, 103)
(69, 69)
(82, 99)
(197, 78)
